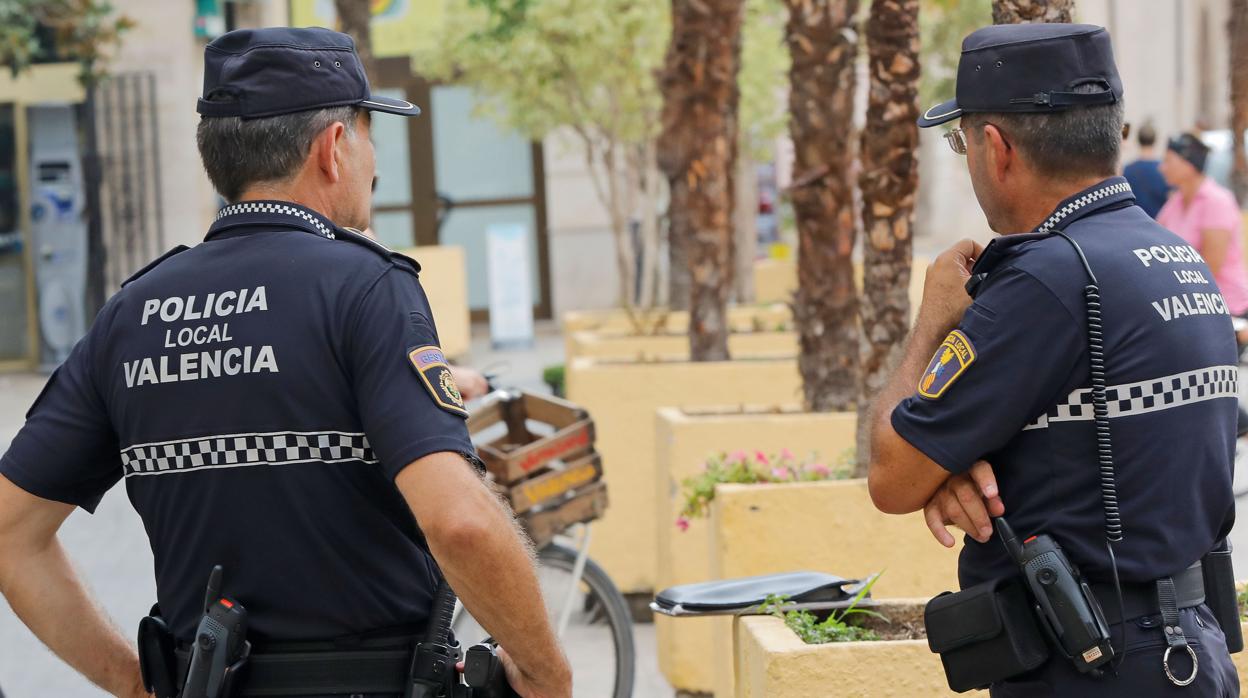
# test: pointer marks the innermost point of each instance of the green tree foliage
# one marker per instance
(85, 31)
(942, 26)
(589, 67)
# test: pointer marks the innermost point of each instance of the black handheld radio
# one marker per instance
(1068, 611)
(432, 673)
(221, 650)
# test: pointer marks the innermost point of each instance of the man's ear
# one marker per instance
(1001, 156)
(325, 151)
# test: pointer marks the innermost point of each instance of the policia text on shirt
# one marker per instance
(277, 402)
(1039, 374)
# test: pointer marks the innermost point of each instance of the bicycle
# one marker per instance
(589, 614)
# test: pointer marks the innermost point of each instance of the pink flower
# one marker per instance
(738, 457)
(786, 454)
(819, 469)
(682, 523)
(780, 473)
(762, 458)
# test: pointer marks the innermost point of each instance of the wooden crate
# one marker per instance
(552, 481)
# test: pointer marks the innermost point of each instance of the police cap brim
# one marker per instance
(390, 105)
(941, 113)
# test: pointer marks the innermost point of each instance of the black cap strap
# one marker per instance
(1068, 99)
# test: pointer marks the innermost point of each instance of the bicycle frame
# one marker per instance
(578, 571)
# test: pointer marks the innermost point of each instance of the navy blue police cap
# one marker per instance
(254, 73)
(1031, 68)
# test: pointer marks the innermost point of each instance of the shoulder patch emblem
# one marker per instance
(952, 359)
(430, 364)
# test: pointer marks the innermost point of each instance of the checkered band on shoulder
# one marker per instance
(1151, 395)
(279, 209)
(1085, 200)
(246, 450)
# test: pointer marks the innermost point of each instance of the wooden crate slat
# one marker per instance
(552, 410)
(586, 506)
(555, 484)
(565, 444)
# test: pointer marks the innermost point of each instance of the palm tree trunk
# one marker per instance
(354, 17)
(697, 152)
(889, 181)
(1239, 96)
(823, 45)
(1021, 11)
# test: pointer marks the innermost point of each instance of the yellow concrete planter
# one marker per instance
(770, 660)
(823, 526)
(775, 280)
(673, 346)
(444, 276)
(684, 439)
(622, 397)
(745, 317)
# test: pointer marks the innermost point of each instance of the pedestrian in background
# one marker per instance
(1144, 175)
(1205, 214)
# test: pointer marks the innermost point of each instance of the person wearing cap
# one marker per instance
(989, 412)
(277, 403)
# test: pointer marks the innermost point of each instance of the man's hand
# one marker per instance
(532, 687)
(470, 382)
(945, 299)
(476, 542)
(966, 501)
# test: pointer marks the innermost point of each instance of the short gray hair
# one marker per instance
(238, 153)
(1078, 142)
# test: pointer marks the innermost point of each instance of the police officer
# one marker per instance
(988, 412)
(277, 404)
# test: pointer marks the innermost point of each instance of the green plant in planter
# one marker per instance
(1243, 602)
(554, 377)
(740, 467)
(839, 626)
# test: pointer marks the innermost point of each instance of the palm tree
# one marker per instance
(697, 152)
(888, 180)
(1021, 11)
(823, 45)
(1239, 96)
(354, 18)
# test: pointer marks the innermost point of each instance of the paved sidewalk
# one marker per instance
(111, 551)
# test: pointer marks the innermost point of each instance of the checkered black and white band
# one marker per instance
(246, 450)
(280, 209)
(1085, 200)
(1152, 395)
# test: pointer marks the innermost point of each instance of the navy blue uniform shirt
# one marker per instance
(1011, 386)
(259, 392)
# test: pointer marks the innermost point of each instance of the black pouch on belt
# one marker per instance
(157, 663)
(985, 634)
(1221, 596)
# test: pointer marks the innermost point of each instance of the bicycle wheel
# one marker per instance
(599, 636)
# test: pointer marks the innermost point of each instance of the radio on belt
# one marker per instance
(221, 650)
(1068, 611)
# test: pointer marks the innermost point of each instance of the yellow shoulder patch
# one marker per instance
(951, 360)
(434, 371)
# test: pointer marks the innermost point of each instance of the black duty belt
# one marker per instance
(1139, 600)
(321, 672)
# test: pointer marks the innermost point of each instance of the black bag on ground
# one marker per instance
(985, 634)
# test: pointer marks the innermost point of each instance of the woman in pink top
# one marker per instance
(1207, 217)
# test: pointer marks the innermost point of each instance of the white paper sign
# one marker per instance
(510, 278)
